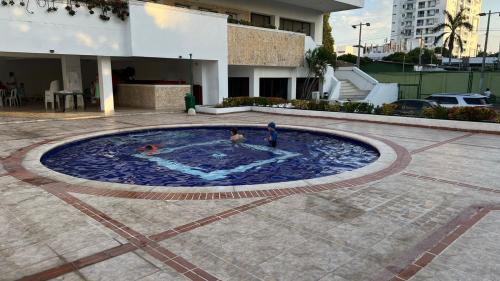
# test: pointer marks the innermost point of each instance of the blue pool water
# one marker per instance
(204, 156)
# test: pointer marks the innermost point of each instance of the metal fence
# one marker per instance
(417, 85)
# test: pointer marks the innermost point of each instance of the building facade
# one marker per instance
(238, 47)
(413, 21)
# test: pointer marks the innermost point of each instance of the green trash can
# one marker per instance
(189, 101)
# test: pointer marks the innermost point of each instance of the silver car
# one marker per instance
(460, 100)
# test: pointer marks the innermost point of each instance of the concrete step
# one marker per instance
(349, 91)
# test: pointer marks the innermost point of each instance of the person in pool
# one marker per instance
(236, 137)
(149, 149)
(272, 136)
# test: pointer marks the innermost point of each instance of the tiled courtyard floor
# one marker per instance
(437, 219)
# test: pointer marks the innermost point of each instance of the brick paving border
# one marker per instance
(129, 247)
(425, 148)
(13, 165)
(422, 255)
(455, 183)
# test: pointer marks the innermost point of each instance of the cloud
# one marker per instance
(377, 12)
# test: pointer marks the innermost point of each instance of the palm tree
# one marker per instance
(452, 26)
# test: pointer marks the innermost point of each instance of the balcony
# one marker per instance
(326, 5)
(253, 46)
(151, 30)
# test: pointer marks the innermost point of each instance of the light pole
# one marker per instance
(358, 60)
(483, 65)
(421, 53)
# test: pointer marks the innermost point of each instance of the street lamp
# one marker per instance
(358, 61)
(483, 65)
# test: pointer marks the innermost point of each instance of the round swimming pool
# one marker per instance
(204, 156)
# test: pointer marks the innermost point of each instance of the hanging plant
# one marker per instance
(119, 8)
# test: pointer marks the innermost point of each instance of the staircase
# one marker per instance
(350, 92)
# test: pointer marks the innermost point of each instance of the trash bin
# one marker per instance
(189, 101)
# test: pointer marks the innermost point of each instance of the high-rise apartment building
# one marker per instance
(413, 21)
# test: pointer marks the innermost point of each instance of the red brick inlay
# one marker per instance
(80, 263)
(456, 183)
(13, 165)
(126, 248)
(423, 254)
(422, 149)
(135, 238)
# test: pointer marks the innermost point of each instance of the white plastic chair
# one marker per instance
(13, 98)
(49, 94)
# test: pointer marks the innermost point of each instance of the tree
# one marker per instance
(353, 59)
(446, 52)
(397, 57)
(427, 56)
(413, 57)
(452, 26)
(317, 62)
(481, 53)
(328, 41)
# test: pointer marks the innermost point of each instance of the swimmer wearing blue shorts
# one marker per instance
(272, 136)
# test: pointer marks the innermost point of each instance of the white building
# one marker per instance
(413, 21)
(156, 39)
(348, 50)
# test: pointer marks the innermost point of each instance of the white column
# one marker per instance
(276, 21)
(214, 81)
(105, 84)
(223, 80)
(254, 83)
(72, 73)
(292, 88)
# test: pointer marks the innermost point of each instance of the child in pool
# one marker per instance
(272, 137)
(149, 149)
(236, 137)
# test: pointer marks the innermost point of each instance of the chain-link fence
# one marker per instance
(417, 85)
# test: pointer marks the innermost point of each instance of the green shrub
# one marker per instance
(472, 114)
(301, 104)
(358, 107)
(462, 113)
(385, 109)
(248, 23)
(250, 101)
(436, 113)
(334, 107)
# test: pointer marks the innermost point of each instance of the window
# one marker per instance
(421, 5)
(420, 22)
(444, 100)
(476, 101)
(421, 14)
(295, 26)
(260, 20)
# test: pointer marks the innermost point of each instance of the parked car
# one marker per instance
(460, 100)
(410, 107)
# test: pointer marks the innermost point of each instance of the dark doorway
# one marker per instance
(274, 87)
(300, 87)
(239, 87)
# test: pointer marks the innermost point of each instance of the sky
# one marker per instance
(379, 14)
